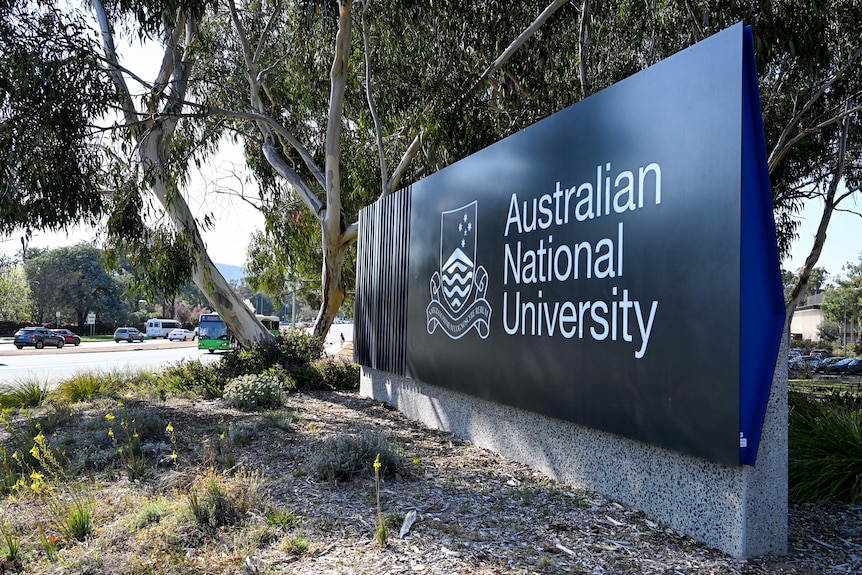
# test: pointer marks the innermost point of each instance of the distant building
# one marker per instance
(807, 319)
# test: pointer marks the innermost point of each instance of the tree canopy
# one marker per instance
(52, 90)
(72, 281)
(842, 304)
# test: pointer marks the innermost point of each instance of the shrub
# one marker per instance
(218, 500)
(326, 374)
(206, 380)
(292, 350)
(338, 373)
(825, 451)
(252, 392)
(86, 385)
(29, 392)
(345, 456)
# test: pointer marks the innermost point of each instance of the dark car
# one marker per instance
(38, 337)
(824, 364)
(838, 367)
(128, 334)
(803, 365)
(849, 366)
(68, 336)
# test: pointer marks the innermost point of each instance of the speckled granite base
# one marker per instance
(739, 510)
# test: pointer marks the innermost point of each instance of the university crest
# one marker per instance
(458, 289)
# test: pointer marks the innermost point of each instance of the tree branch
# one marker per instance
(338, 84)
(266, 30)
(584, 49)
(411, 152)
(808, 131)
(129, 112)
(296, 182)
(820, 236)
(378, 132)
(279, 130)
(782, 146)
(520, 40)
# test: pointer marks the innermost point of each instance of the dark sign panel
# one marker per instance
(589, 267)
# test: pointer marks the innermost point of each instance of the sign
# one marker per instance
(613, 265)
(91, 319)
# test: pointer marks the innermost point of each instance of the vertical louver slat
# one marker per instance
(381, 283)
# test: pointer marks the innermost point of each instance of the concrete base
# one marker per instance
(741, 511)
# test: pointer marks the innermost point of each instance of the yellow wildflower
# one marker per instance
(38, 485)
(110, 417)
(170, 428)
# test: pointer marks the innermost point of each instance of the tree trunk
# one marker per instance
(240, 320)
(332, 282)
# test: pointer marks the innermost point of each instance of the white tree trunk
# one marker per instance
(242, 322)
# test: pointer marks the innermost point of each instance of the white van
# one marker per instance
(157, 327)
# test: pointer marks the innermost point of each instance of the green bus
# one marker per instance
(213, 334)
(270, 322)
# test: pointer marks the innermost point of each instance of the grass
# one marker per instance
(825, 437)
(27, 392)
(104, 464)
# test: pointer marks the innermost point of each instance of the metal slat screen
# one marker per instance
(380, 322)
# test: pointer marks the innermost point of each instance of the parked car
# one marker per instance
(803, 365)
(808, 362)
(128, 334)
(855, 367)
(68, 336)
(849, 366)
(819, 353)
(38, 337)
(824, 364)
(180, 335)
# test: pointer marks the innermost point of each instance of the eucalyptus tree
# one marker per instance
(342, 103)
(430, 71)
(842, 303)
(810, 81)
(15, 303)
(162, 148)
(63, 160)
(52, 91)
(72, 281)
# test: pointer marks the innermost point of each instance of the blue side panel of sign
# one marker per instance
(762, 302)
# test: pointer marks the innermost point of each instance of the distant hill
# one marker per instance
(230, 272)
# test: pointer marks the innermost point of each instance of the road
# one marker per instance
(52, 365)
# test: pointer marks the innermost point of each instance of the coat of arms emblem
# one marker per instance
(458, 288)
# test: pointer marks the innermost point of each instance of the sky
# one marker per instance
(843, 237)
